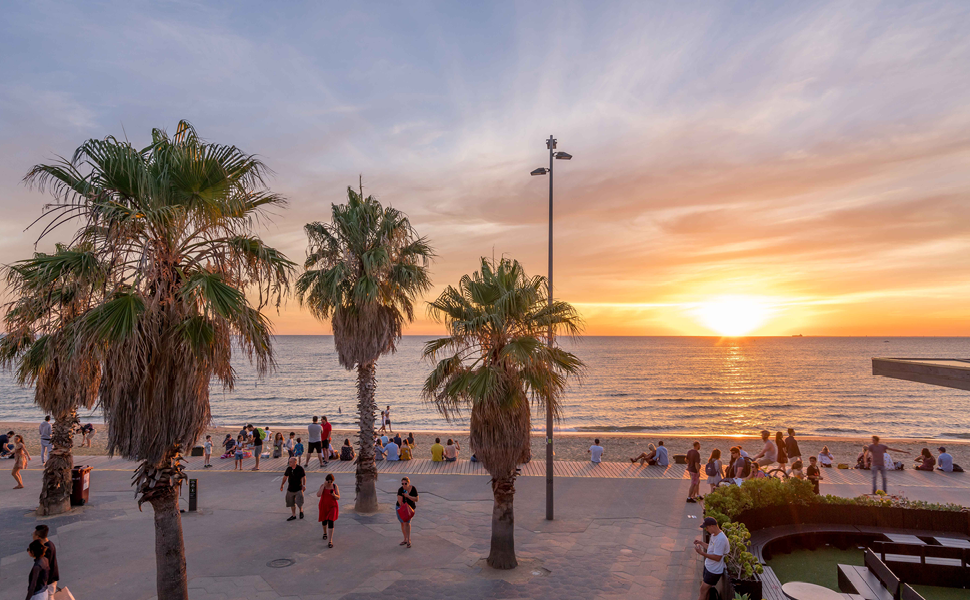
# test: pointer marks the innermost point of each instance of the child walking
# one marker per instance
(240, 452)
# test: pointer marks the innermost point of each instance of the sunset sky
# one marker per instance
(801, 167)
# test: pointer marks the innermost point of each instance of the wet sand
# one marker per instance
(574, 445)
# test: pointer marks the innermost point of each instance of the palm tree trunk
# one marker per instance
(366, 467)
(55, 493)
(159, 485)
(502, 554)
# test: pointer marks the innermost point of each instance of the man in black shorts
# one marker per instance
(387, 415)
(325, 430)
(315, 441)
(717, 548)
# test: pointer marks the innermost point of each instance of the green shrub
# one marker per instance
(739, 562)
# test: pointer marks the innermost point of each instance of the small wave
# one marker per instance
(627, 428)
(839, 430)
(956, 435)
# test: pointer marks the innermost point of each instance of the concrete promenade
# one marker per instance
(615, 536)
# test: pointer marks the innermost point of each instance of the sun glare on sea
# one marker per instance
(733, 316)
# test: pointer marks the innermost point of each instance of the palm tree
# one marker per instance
(495, 362)
(174, 223)
(51, 291)
(364, 271)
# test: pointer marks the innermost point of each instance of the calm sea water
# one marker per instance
(820, 386)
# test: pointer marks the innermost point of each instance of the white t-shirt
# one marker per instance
(316, 433)
(661, 456)
(719, 545)
(596, 453)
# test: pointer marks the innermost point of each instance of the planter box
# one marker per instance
(751, 587)
(859, 516)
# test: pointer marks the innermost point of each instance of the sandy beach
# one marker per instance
(574, 445)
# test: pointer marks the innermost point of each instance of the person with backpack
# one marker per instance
(258, 435)
(713, 469)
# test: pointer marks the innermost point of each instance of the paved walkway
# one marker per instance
(620, 531)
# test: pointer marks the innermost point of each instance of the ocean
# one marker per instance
(680, 385)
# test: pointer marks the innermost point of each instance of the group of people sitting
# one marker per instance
(924, 462)
(395, 448)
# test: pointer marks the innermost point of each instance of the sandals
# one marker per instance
(403, 543)
(330, 545)
(324, 535)
(409, 544)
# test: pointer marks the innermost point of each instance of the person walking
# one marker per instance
(791, 446)
(407, 495)
(314, 441)
(20, 459)
(387, 417)
(39, 572)
(329, 506)
(294, 478)
(782, 452)
(877, 452)
(40, 534)
(694, 469)
(383, 428)
(325, 430)
(717, 548)
(45, 439)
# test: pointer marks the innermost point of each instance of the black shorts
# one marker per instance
(711, 579)
(318, 446)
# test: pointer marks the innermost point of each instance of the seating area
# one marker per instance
(874, 581)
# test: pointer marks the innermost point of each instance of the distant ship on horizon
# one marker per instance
(797, 335)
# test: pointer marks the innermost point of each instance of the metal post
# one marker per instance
(551, 143)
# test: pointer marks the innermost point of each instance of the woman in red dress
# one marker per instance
(329, 494)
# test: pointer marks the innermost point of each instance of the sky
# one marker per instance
(768, 168)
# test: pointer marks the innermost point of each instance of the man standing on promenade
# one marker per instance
(769, 454)
(717, 548)
(694, 468)
(315, 441)
(791, 446)
(878, 453)
(325, 430)
(45, 439)
(40, 534)
(296, 477)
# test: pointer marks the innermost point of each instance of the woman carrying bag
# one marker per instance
(329, 494)
(407, 500)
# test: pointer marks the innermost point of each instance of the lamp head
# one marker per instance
(540, 171)
(563, 156)
(551, 143)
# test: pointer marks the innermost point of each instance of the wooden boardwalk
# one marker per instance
(537, 468)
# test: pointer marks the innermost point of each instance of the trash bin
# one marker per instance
(81, 482)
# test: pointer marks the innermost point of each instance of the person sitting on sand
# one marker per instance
(595, 452)
(411, 441)
(347, 451)
(646, 457)
(451, 450)
(6, 444)
(393, 451)
(406, 450)
(379, 452)
(825, 458)
(864, 460)
(437, 451)
(927, 462)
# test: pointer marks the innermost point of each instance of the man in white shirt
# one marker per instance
(315, 441)
(717, 548)
(595, 452)
(45, 439)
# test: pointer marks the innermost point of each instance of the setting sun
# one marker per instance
(732, 316)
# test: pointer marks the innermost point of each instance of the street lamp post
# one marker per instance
(553, 155)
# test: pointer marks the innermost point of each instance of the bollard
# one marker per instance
(193, 495)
